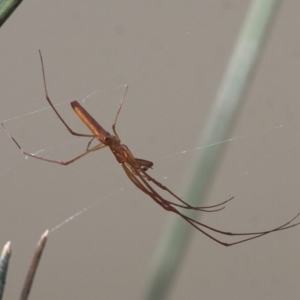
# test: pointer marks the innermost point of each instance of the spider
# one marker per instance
(136, 170)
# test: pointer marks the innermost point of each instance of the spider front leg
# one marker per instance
(52, 106)
(118, 112)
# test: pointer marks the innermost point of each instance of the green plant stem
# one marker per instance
(4, 262)
(7, 7)
(33, 266)
(229, 100)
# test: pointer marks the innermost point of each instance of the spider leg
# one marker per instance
(64, 163)
(143, 185)
(281, 227)
(188, 206)
(136, 172)
(118, 112)
(134, 165)
(89, 144)
(52, 106)
(139, 184)
(254, 235)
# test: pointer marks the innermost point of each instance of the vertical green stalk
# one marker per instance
(4, 262)
(228, 103)
(7, 7)
(33, 266)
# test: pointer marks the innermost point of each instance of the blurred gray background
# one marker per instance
(173, 55)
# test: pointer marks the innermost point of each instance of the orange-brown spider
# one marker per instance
(136, 170)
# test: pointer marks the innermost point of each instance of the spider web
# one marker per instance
(173, 68)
